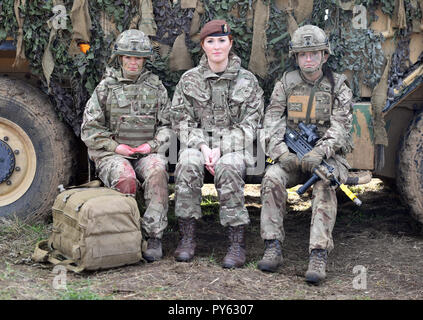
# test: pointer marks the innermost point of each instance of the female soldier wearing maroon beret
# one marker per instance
(216, 109)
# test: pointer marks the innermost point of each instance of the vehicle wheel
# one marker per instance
(35, 153)
(410, 167)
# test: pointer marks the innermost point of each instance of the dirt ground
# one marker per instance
(378, 255)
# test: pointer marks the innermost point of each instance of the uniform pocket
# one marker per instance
(323, 106)
(120, 96)
(135, 130)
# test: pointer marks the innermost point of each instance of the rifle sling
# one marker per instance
(310, 100)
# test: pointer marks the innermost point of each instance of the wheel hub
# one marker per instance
(18, 162)
(7, 161)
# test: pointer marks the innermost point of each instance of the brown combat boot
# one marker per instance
(317, 266)
(235, 258)
(154, 250)
(272, 257)
(186, 247)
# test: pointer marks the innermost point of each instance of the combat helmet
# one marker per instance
(309, 38)
(132, 42)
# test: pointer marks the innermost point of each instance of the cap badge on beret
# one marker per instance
(225, 28)
(215, 28)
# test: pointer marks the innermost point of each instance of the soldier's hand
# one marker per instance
(210, 155)
(143, 149)
(214, 156)
(210, 169)
(124, 150)
(206, 151)
(311, 160)
(288, 161)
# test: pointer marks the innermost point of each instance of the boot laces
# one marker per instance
(236, 249)
(236, 237)
(187, 231)
(185, 242)
(318, 259)
(272, 250)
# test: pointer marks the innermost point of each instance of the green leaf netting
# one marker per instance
(75, 76)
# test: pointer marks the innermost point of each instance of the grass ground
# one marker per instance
(378, 256)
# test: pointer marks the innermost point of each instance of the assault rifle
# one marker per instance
(301, 143)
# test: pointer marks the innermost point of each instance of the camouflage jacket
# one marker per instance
(113, 99)
(218, 110)
(330, 112)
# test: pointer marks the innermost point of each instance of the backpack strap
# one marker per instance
(43, 253)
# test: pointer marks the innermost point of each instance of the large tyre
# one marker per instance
(35, 152)
(410, 167)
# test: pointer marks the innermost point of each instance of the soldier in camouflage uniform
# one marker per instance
(216, 109)
(310, 94)
(126, 128)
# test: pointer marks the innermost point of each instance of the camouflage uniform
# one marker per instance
(221, 111)
(331, 113)
(131, 112)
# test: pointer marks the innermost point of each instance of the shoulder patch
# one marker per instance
(344, 93)
(339, 80)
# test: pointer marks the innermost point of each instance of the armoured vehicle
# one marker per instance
(53, 53)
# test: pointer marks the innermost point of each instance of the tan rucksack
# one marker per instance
(93, 228)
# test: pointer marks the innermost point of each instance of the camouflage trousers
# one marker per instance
(229, 177)
(274, 196)
(125, 175)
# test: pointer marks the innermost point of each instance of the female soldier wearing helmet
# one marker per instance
(311, 94)
(126, 129)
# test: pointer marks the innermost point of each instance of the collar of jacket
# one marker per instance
(118, 76)
(234, 65)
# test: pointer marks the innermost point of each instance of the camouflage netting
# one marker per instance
(261, 30)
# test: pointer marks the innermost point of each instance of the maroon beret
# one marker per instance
(215, 28)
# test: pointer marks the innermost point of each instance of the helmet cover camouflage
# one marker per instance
(309, 38)
(132, 42)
